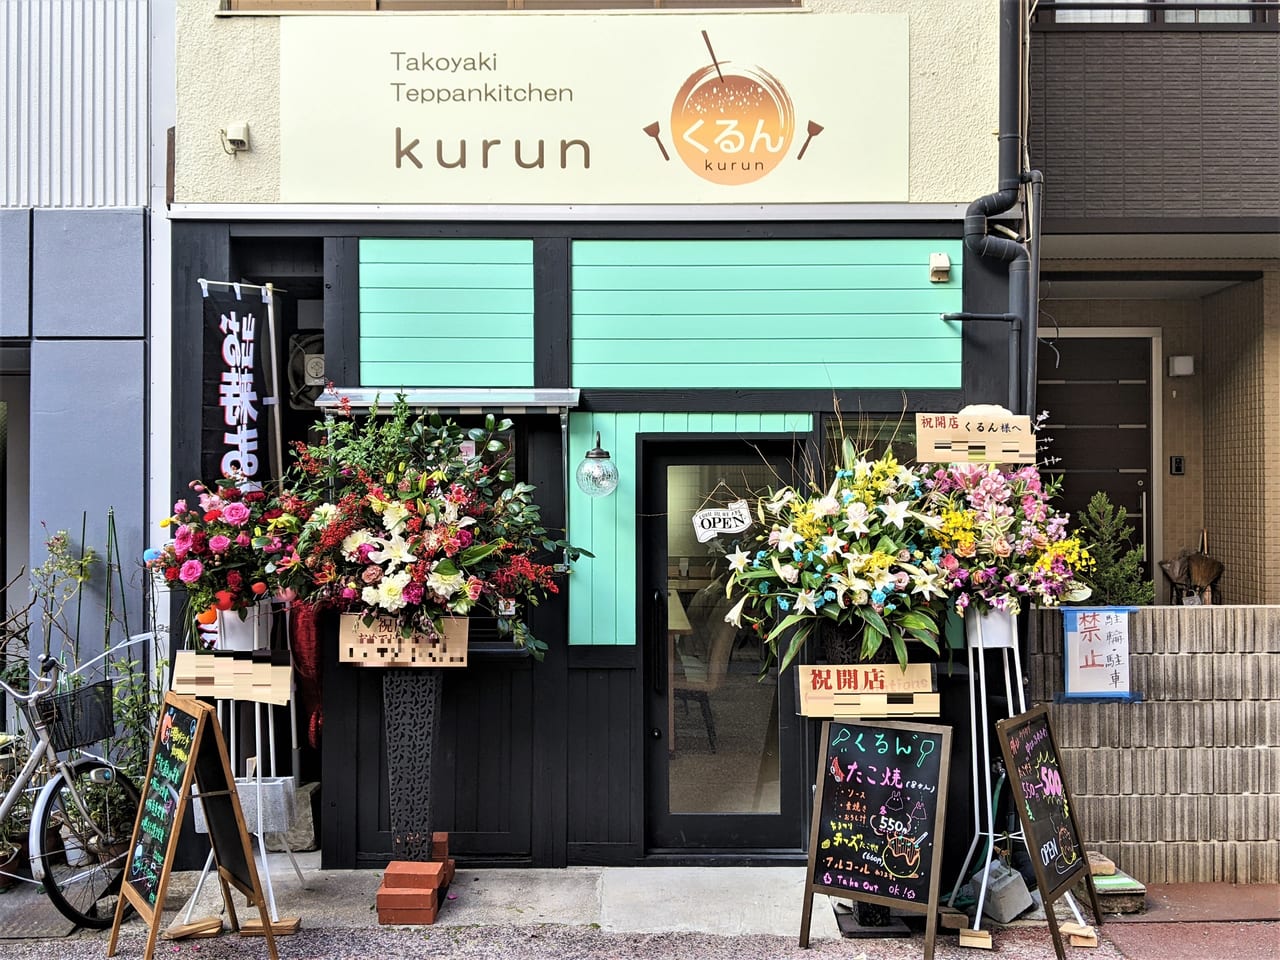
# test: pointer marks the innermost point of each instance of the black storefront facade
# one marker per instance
(712, 347)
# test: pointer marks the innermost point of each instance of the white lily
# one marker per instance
(856, 516)
(395, 550)
(832, 545)
(895, 511)
(738, 560)
(734, 616)
(788, 539)
(804, 602)
(826, 507)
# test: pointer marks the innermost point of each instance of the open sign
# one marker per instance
(712, 522)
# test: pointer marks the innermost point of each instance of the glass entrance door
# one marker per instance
(723, 768)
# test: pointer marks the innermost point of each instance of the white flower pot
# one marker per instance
(990, 630)
(251, 633)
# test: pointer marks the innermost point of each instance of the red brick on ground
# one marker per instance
(409, 873)
(440, 846)
(407, 916)
(406, 898)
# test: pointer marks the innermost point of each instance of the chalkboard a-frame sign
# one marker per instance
(1045, 810)
(188, 749)
(879, 807)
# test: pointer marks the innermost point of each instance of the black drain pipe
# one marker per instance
(976, 235)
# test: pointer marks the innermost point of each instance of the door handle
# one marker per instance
(1143, 505)
(657, 668)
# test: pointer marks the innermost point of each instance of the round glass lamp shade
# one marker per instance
(597, 475)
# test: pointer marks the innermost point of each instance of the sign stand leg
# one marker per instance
(806, 917)
(983, 798)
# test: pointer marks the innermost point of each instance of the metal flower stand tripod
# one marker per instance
(983, 633)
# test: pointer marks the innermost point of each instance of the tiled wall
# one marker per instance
(1184, 786)
(1242, 408)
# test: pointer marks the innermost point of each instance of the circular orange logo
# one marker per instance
(731, 125)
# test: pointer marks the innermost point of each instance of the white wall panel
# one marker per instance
(73, 103)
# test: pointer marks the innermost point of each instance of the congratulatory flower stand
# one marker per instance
(405, 525)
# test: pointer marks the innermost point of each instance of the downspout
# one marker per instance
(976, 235)
(1031, 329)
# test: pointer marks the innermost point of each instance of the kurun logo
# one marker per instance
(732, 124)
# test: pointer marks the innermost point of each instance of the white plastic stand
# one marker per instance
(1002, 637)
(282, 814)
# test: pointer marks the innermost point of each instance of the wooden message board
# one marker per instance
(878, 813)
(1044, 806)
(188, 749)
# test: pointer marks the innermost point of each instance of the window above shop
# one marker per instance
(1156, 12)
(403, 6)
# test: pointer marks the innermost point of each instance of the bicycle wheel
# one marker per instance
(80, 849)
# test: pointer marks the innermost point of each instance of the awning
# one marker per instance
(460, 400)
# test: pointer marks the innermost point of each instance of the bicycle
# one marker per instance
(83, 817)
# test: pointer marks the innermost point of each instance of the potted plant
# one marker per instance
(857, 556)
(1002, 544)
(1115, 577)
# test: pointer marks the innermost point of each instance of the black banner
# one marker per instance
(235, 420)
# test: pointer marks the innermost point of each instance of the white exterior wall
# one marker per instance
(228, 70)
(73, 117)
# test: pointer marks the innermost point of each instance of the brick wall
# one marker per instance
(1184, 786)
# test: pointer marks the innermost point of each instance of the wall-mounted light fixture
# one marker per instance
(235, 137)
(1182, 366)
(939, 268)
(597, 475)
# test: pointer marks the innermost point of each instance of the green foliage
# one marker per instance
(1116, 578)
(137, 703)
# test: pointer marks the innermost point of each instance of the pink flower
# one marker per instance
(413, 593)
(182, 541)
(242, 539)
(236, 514)
(219, 544)
(179, 506)
(350, 593)
(474, 588)
(191, 571)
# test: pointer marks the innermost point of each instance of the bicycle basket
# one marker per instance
(80, 717)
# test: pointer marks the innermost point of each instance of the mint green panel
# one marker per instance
(799, 314)
(602, 599)
(682, 253)
(446, 313)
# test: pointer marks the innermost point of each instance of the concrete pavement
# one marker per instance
(643, 912)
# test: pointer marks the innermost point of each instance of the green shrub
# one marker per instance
(1117, 577)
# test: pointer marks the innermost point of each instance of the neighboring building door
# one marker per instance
(1097, 391)
(723, 766)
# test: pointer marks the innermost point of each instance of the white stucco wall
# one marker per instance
(228, 70)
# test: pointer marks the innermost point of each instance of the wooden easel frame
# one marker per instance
(206, 726)
(1048, 894)
(930, 907)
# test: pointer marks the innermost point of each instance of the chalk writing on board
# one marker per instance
(876, 831)
(1053, 837)
(161, 796)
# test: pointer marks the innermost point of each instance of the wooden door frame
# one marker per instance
(1155, 335)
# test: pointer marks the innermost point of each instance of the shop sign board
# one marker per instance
(879, 810)
(689, 108)
(1096, 658)
(866, 690)
(1045, 809)
(974, 438)
(713, 522)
